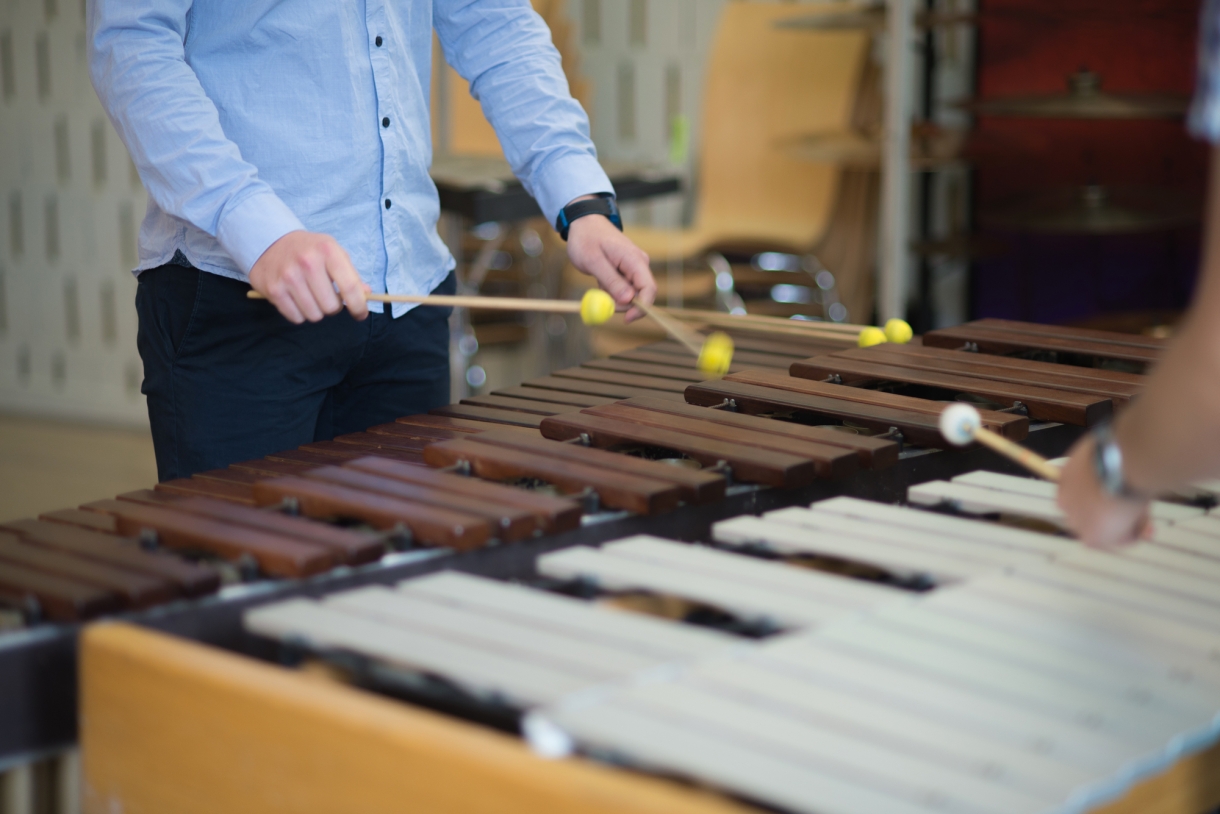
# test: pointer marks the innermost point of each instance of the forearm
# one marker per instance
(1170, 435)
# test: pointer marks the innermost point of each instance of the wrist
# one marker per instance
(1111, 468)
(587, 206)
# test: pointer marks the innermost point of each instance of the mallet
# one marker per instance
(960, 424)
(713, 354)
(896, 331)
(595, 307)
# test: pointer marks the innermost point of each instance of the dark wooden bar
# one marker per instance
(520, 404)
(766, 378)
(276, 555)
(347, 451)
(686, 373)
(546, 396)
(299, 456)
(1043, 403)
(136, 589)
(205, 487)
(81, 519)
(555, 514)
(595, 388)
(990, 339)
(1066, 332)
(918, 427)
(615, 489)
(269, 468)
(61, 599)
(240, 477)
(874, 453)
(814, 450)
(741, 359)
(749, 464)
(350, 546)
(429, 525)
(626, 379)
(489, 414)
(417, 432)
(1016, 369)
(192, 579)
(383, 441)
(697, 486)
(465, 425)
(511, 523)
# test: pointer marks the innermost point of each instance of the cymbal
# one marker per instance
(1097, 210)
(872, 18)
(1085, 100)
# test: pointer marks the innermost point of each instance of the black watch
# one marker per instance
(603, 204)
(1108, 464)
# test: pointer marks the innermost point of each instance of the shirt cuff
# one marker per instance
(565, 178)
(247, 229)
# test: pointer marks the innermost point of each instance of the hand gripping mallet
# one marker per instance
(960, 424)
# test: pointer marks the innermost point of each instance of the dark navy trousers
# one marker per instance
(229, 379)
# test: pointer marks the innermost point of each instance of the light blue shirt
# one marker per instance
(248, 119)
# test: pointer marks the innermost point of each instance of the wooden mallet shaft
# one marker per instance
(595, 307)
(460, 301)
(691, 339)
(960, 424)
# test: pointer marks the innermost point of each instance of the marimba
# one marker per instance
(632, 443)
(1019, 673)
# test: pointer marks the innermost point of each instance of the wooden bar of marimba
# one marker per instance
(1007, 337)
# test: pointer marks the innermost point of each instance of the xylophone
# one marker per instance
(964, 665)
(635, 443)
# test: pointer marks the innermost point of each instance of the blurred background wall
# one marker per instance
(72, 207)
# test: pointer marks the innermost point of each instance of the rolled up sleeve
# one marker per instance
(504, 49)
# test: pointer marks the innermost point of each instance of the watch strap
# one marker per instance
(1108, 464)
(603, 204)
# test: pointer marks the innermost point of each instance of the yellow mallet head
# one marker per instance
(596, 307)
(898, 331)
(716, 355)
(870, 336)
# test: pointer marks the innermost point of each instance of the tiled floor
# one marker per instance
(48, 465)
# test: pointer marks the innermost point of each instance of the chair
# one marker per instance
(766, 87)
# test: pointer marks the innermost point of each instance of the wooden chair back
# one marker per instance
(766, 85)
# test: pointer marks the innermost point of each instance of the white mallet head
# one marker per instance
(958, 423)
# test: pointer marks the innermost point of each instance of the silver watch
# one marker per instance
(1108, 464)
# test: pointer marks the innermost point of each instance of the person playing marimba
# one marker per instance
(285, 146)
(1170, 435)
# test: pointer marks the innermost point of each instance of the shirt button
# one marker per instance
(378, 42)
(387, 203)
(385, 122)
